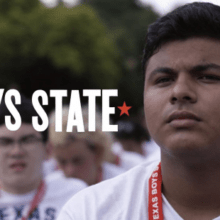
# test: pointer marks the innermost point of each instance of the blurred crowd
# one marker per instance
(40, 171)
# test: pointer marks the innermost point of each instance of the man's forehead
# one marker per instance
(70, 154)
(78, 148)
(187, 54)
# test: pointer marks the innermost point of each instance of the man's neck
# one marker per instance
(21, 189)
(193, 191)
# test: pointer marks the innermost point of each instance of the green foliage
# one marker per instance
(69, 39)
(128, 23)
(127, 20)
(22, 5)
(71, 48)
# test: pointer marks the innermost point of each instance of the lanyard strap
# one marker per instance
(118, 160)
(155, 199)
(37, 199)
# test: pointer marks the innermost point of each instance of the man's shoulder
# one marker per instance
(129, 160)
(60, 186)
(113, 197)
(110, 170)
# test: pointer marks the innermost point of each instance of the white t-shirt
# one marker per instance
(151, 151)
(110, 170)
(122, 198)
(128, 160)
(49, 166)
(57, 194)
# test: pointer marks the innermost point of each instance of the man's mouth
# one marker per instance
(181, 115)
(18, 166)
(183, 119)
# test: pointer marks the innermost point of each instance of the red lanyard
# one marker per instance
(118, 160)
(155, 211)
(37, 199)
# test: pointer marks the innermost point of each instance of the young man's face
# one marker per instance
(77, 160)
(182, 97)
(22, 153)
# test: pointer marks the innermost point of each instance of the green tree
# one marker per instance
(37, 43)
(128, 23)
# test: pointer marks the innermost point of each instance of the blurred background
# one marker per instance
(77, 44)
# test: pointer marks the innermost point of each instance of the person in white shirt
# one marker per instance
(128, 160)
(181, 101)
(82, 154)
(132, 137)
(24, 193)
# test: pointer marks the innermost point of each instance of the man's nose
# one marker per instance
(184, 89)
(17, 149)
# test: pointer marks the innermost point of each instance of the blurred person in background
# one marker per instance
(82, 154)
(24, 193)
(134, 138)
(125, 159)
(131, 136)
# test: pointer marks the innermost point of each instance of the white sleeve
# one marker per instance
(81, 206)
(73, 209)
(65, 215)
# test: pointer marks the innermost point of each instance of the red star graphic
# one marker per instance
(124, 109)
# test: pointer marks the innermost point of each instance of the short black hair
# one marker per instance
(26, 111)
(198, 19)
(130, 130)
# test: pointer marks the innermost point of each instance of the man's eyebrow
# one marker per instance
(198, 68)
(6, 138)
(204, 67)
(166, 70)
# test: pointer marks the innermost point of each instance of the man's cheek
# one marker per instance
(2, 168)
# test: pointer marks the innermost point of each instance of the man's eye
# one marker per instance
(163, 80)
(6, 142)
(209, 77)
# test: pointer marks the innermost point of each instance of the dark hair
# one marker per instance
(191, 20)
(26, 111)
(130, 130)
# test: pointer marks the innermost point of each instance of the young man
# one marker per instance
(82, 154)
(24, 194)
(182, 102)
(134, 138)
(131, 136)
